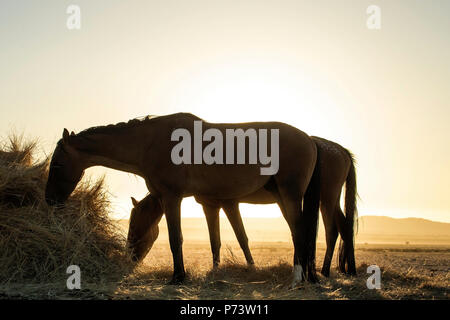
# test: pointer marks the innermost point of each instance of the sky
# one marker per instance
(383, 93)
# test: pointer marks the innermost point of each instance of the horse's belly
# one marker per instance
(261, 196)
(227, 181)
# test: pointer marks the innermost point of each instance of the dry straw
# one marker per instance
(38, 242)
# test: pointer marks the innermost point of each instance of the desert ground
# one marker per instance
(407, 273)
(412, 270)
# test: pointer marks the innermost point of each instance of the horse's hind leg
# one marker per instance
(231, 209)
(347, 263)
(212, 218)
(290, 204)
(341, 225)
(331, 234)
(351, 264)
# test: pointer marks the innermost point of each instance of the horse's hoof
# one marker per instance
(298, 276)
(251, 266)
(351, 273)
(351, 269)
(313, 279)
(325, 273)
(174, 282)
(296, 284)
(177, 279)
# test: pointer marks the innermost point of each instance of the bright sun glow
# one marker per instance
(240, 91)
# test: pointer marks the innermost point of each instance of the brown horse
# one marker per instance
(144, 147)
(336, 168)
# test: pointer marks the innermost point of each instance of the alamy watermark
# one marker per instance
(213, 153)
(73, 21)
(74, 280)
(374, 19)
(374, 281)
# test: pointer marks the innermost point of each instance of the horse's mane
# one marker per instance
(83, 141)
(110, 128)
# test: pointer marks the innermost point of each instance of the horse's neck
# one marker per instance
(96, 160)
(113, 152)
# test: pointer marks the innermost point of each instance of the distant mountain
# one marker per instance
(371, 229)
(407, 226)
(412, 230)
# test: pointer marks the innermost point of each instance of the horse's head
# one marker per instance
(143, 229)
(65, 171)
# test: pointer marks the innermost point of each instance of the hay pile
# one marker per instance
(38, 242)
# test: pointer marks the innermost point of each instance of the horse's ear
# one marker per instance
(134, 201)
(65, 136)
(72, 133)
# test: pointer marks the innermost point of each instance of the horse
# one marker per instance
(144, 147)
(143, 229)
(336, 168)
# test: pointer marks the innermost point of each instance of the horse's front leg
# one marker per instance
(173, 217)
(212, 218)
(231, 209)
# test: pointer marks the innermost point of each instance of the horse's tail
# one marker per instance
(346, 249)
(311, 218)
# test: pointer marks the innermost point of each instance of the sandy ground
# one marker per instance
(410, 268)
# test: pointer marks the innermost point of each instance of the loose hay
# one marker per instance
(39, 242)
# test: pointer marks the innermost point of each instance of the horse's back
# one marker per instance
(295, 152)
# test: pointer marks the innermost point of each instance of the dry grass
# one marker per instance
(39, 242)
(420, 273)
